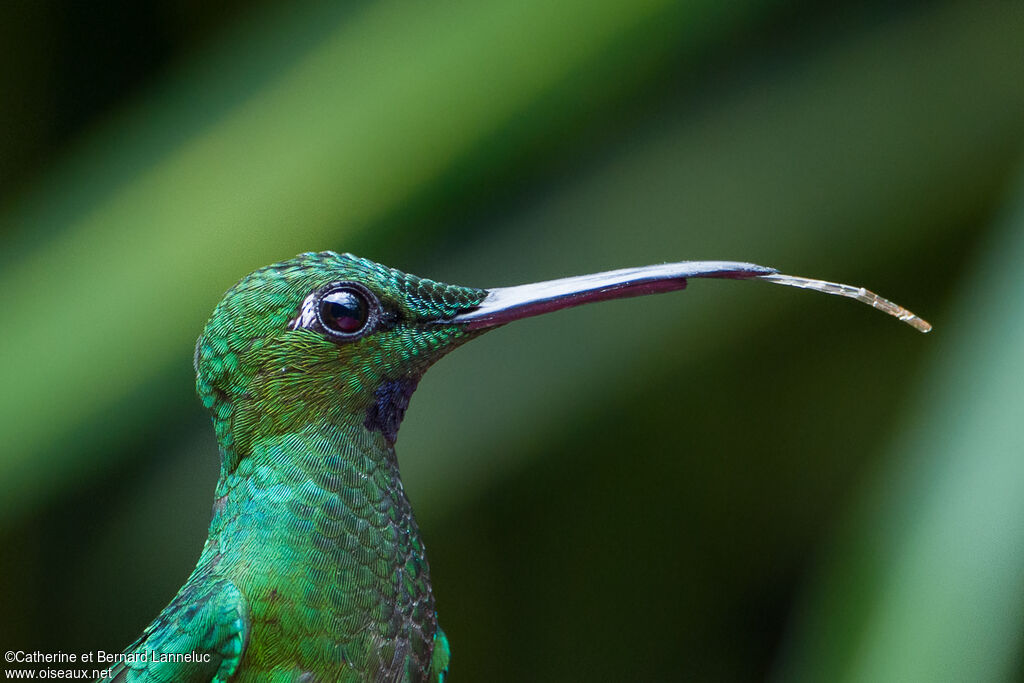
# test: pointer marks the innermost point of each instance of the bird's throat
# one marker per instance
(388, 408)
(325, 512)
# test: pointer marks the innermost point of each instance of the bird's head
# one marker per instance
(322, 337)
(328, 338)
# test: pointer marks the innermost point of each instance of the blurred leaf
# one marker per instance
(625, 491)
(335, 137)
(926, 584)
(837, 165)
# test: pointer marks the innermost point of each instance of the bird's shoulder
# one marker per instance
(200, 636)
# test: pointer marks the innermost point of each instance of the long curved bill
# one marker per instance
(505, 304)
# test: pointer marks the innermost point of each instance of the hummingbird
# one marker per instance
(314, 568)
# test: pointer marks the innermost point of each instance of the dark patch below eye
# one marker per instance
(388, 408)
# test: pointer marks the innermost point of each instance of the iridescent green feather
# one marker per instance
(314, 568)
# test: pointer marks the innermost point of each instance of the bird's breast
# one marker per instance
(327, 551)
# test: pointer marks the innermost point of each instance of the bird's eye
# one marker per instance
(344, 311)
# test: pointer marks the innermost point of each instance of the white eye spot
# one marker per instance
(307, 314)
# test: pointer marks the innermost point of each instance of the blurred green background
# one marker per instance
(736, 482)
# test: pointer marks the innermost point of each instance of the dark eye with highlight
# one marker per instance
(344, 311)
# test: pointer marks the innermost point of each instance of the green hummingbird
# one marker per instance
(314, 568)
